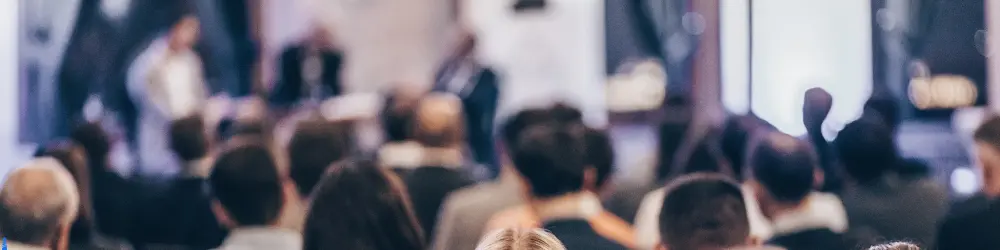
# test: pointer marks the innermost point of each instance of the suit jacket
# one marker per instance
(973, 225)
(114, 202)
(578, 234)
(896, 209)
(428, 186)
(813, 239)
(178, 214)
(292, 86)
(465, 212)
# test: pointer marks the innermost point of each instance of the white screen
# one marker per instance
(800, 44)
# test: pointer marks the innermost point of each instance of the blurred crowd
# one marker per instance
(313, 167)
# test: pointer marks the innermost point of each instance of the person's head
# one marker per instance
(704, 211)
(315, 145)
(247, 186)
(816, 106)
(184, 33)
(987, 139)
(358, 205)
(706, 157)
(72, 157)
(866, 150)
(438, 122)
(895, 246)
(783, 169)
(672, 135)
(398, 118)
(520, 239)
(512, 129)
(735, 141)
(38, 203)
(92, 137)
(885, 108)
(189, 138)
(552, 160)
(600, 155)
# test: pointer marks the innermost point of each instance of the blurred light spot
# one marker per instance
(942, 92)
(678, 47)
(981, 43)
(885, 20)
(693, 23)
(115, 9)
(964, 181)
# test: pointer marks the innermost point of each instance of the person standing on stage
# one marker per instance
(166, 82)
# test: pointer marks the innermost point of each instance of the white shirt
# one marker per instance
(389, 42)
(18, 246)
(262, 238)
(543, 57)
(164, 87)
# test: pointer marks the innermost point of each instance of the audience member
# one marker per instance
(783, 170)
(704, 211)
(250, 193)
(38, 203)
(600, 156)
(359, 205)
(180, 214)
(520, 239)
(880, 204)
(438, 129)
(895, 246)
(552, 159)
(309, 69)
(71, 157)
(315, 145)
(465, 212)
(111, 195)
(817, 107)
(974, 224)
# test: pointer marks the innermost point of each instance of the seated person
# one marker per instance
(558, 177)
(704, 211)
(974, 223)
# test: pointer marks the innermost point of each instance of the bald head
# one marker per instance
(37, 201)
(438, 121)
(816, 106)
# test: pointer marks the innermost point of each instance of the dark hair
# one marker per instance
(867, 150)
(735, 141)
(989, 132)
(95, 141)
(358, 205)
(528, 5)
(706, 157)
(600, 154)
(784, 166)
(253, 128)
(513, 127)
(189, 138)
(246, 181)
(398, 119)
(315, 145)
(703, 211)
(884, 108)
(552, 158)
(671, 137)
(72, 157)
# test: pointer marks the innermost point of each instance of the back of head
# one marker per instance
(315, 145)
(895, 246)
(189, 138)
(438, 121)
(600, 154)
(360, 206)
(246, 182)
(784, 166)
(552, 159)
(886, 109)
(735, 141)
(706, 157)
(92, 137)
(520, 239)
(866, 149)
(704, 211)
(36, 202)
(398, 119)
(989, 132)
(559, 113)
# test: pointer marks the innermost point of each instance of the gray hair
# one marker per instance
(37, 201)
(520, 239)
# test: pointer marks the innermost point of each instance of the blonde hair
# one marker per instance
(520, 239)
(895, 246)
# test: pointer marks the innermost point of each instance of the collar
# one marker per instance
(404, 155)
(21, 246)
(198, 168)
(263, 238)
(818, 212)
(580, 205)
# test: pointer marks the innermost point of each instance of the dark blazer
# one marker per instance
(896, 209)
(973, 225)
(428, 187)
(578, 234)
(178, 214)
(113, 200)
(813, 239)
(291, 85)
